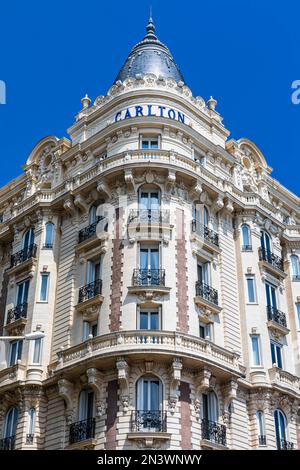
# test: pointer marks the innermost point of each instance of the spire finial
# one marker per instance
(150, 27)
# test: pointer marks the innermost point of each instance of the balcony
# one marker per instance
(89, 297)
(271, 262)
(213, 434)
(284, 380)
(149, 426)
(149, 216)
(23, 259)
(262, 440)
(143, 223)
(17, 313)
(282, 444)
(89, 231)
(83, 432)
(208, 237)
(277, 320)
(207, 298)
(8, 443)
(148, 282)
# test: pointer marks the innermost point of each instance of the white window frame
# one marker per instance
(18, 342)
(33, 346)
(149, 310)
(259, 350)
(252, 277)
(281, 354)
(45, 275)
(208, 328)
(150, 138)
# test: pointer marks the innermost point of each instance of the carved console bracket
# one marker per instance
(80, 203)
(102, 187)
(123, 378)
(96, 382)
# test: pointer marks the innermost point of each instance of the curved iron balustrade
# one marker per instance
(14, 314)
(155, 421)
(89, 231)
(276, 315)
(213, 431)
(271, 258)
(206, 292)
(23, 255)
(8, 443)
(148, 277)
(82, 430)
(282, 444)
(149, 215)
(203, 231)
(90, 290)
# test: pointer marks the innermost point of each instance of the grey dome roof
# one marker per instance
(150, 56)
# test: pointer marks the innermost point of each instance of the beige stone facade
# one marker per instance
(161, 261)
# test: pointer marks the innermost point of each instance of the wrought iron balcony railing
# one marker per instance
(23, 255)
(276, 316)
(149, 215)
(90, 290)
(208, 234)
(271, 258)
(82, 430)
(89, 231)
(282, 444)
(262, 440)
(148, 277)
(14, 314)
(154, 421)
(207, 292)
(29, 438)
(213, 431)
(8, 443)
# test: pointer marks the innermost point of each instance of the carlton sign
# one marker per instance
(151, 110)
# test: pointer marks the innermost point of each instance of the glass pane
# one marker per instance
(31, 423)
(154, 321)
(154, 144)
(281, 425)
(205, 216)
(202, 331)
(298, 314)
(273, 297)
(199, 272)
(279, 359)
(19, 349)
(250, 285)
(13, 353)
(268, 294)
(273, 354)
(154, 200)
(204, 406)
(94, 329)
(255, 349)
(145, 144)
(25, 291)
(246, 238)
(44, 287)
(90, 405)
(154, 405)
(20, 293)
(154, 260)
(205, 273)
(145, 395)
(213, 407)
(86, 330)
(143, 320)
(37, 351)
(260, 423)
(49, 234)
(93, 215)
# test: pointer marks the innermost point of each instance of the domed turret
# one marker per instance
(150, 56)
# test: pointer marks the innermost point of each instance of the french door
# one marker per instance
(149, 404)
(149, 265)
(265, 243)
(210, 407)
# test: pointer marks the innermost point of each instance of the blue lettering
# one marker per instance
(171, 113)
(149, 110)
(118, 117)
(138, 111)
(127, 114)
(181, 117)
(161, 108)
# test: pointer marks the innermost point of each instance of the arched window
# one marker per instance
(28, 239)
(31, 425)
(149, 203)
(201, 214)
(210, 428)
(295, 267)
(210, 407)
(260, 421)
(49, 235)
(11, 422)
(85, 427)
(280, 429)
(86, 405)
(246, 238)
(149, 404)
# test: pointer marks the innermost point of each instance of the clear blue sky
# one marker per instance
(244, 53)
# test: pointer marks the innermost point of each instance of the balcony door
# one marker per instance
(265, 242)
(86, 405)
(11, 422)
(149, 264)
(210, 407)
(203, 273)
(22, 292)
(201, 215)
(280, 427)
(271, 296)
(149, 404)
(93, 271)
(28, 239)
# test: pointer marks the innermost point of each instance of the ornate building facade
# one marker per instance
(161, 261)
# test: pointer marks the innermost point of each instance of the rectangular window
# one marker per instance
(22, 292)
(276, 354)
(37, 349)
(44, 287)
(89, 328)
(150, 142)
(251, 290)
(298, 315)
(15, 352)
(205, 331)
(255, 350)
(149, 320)
(271, 295)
